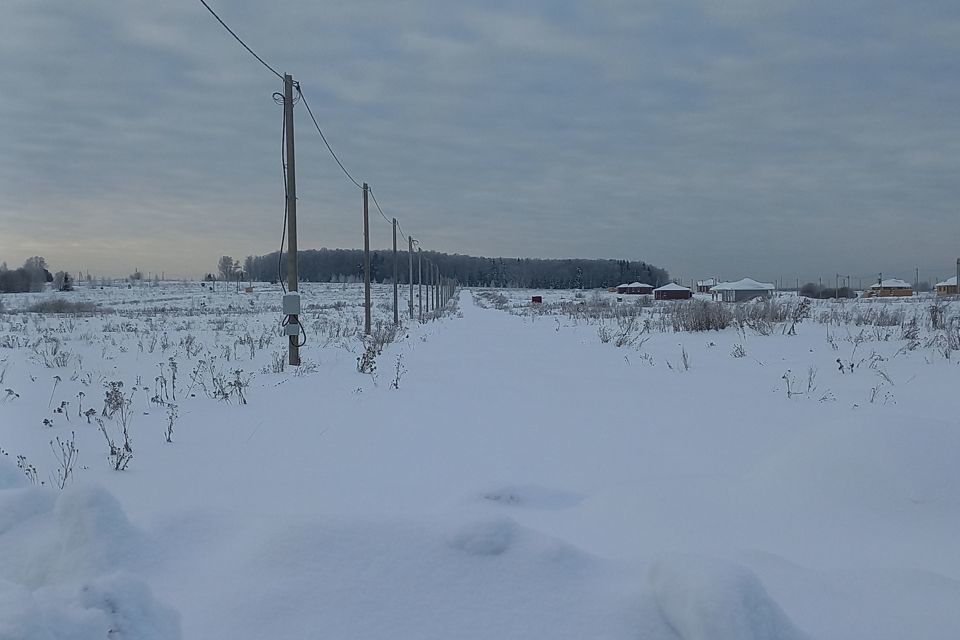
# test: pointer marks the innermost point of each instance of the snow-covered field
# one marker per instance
(522, 476)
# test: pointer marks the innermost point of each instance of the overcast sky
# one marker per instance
(730, 137)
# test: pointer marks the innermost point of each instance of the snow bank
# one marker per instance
(470, 579)
(65, 570)
(10, 476)
(485, 537)
(707, 599)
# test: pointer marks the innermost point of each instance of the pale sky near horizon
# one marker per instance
(738, 138)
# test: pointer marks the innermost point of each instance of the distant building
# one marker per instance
(947, 287)
(890, 288)
(704, 286)
(635, 288)
(672, 291)
(742, 290)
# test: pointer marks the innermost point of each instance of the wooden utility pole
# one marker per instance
(293, 348)
(957, 288)
(420, 284)
(396, 276)
(366, 262)
(410, 278)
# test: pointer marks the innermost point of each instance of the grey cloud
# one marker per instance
(737, 137)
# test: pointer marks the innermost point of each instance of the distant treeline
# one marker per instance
(346, 265)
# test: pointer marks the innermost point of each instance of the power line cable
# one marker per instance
(244, 44)
(382, 214)
(324, 138)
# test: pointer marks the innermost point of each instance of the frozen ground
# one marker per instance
(527, 478)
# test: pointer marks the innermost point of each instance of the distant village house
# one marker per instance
(672, 291)
(890, 288)
(742, 290)
(704, 286)
(635, 288)
(947, 287)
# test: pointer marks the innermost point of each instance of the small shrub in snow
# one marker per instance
(874, 391)
(237, 385)
(937, 313)
(190, 345)
(173, 377)
(29, 470)
(278, 362)
(114, 400)
(63, 409)
(172, 416)
(603, 332)
(382, 334)
(695, 315)
(399, 370)
(119, 454)
(628, 330)
(494, 299)
(799, 313)
(219, 386)
(65, 452)
(59, 305)
(791, 383)
(811, 380)
(367, 361)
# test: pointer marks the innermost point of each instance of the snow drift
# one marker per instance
(67, 565)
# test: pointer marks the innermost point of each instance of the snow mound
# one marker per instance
(94, 533)
(706, 599)
(485, 537)
(10, 476)
(65, 570)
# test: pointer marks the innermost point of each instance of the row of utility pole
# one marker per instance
(439, 289)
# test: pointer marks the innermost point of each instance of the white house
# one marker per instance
(947, 288)
(742, 290)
